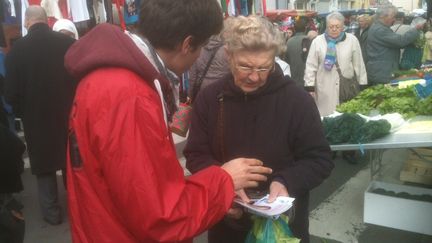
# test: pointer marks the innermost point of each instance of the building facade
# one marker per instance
(318, 5)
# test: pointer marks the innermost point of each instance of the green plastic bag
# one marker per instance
(265, 230)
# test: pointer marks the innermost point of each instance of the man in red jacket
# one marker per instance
(124, 181)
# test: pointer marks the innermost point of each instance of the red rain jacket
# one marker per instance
(124, 181)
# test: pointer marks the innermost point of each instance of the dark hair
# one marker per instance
(300, 25)
(166, 23)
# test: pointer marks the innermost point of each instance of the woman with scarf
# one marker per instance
(327, 50)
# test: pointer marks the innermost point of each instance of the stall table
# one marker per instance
(389, 211)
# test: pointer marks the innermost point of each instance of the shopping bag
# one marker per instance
(181, 120)
(266, 230)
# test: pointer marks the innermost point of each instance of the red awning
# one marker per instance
(280, 14)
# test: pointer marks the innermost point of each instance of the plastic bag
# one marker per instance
(265, 230)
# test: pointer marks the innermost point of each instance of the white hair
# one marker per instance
(335, 15)
(386, 10)
(252, 33)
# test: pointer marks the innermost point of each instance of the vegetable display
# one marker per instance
(388, 99)
(352, 128)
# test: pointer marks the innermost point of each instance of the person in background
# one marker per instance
(259, 113)
(311, 34)
(321, 77)
(353, 25)
(66, 27)
(213, 56)
(295, 53)
(41, 92)
(383, 46)
(401, 24)
(364, 21)
(11, 166)
(125, 183)
(289, 33)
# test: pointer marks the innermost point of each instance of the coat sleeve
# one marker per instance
(358, 63)
(391, 39)
(312, 155)
(312, 63)
(146, 182)
(13, 82)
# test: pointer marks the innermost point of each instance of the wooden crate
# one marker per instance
(418, 167)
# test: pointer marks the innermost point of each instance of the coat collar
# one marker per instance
(38, 27)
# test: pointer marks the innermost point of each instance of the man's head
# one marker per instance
(300, 25)
(364, 21)
(179, 27)
(387, 14)
(34, 14)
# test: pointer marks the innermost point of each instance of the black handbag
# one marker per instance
(348, 87)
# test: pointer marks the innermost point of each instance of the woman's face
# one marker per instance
(290, 33)
(251, 68)
(334, 27)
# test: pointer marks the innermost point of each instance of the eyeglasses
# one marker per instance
(335, 27)
(250, 70)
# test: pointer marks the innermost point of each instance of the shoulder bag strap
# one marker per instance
(197, 85)
(338, 68)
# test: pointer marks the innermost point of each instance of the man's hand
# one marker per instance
(243, 196)
(277, 189)
(246, 173)
(237, 212)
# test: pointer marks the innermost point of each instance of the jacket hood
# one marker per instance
(107, 46)
(275, 81)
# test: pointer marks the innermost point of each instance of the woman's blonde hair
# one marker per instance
(252, 33)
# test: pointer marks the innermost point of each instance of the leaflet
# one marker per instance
(263, 208)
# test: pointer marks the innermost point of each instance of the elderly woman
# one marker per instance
(257, 112)
(328, 50)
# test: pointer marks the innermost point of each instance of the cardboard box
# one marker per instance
(418, 167)
(396, 212)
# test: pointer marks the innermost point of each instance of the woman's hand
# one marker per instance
(277, 189)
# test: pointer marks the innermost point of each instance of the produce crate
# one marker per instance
(396, 212)
(418, 167)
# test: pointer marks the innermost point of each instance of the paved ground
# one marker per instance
(336, 208)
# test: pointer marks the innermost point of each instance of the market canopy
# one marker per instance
(281, 14)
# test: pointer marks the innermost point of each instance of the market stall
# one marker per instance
(404, 206)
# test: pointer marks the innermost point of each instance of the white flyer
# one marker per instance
(263, 208)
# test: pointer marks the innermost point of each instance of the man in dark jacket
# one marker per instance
(364, 21)
(41, 92)
(294, 53)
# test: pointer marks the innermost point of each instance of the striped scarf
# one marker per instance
(330, 58)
